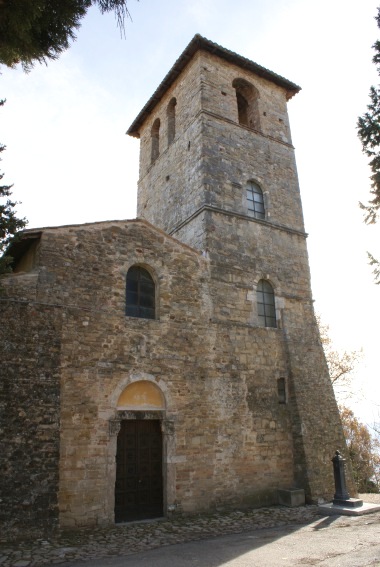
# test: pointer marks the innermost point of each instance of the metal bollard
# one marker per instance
(341, 493)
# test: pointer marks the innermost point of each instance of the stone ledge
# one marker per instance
(336, 510)
(350, 503)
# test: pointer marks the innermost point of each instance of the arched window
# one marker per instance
(255, 200)
(171, 120)
(155, 135)
(266, 308)
(140, 296)
(247, 97)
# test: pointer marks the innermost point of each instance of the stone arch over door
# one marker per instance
(143, 443)
(141, 395)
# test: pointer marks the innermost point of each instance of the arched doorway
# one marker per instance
(139, 455)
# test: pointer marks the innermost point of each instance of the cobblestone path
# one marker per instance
(125, 539)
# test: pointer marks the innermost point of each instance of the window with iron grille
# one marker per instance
(255, 200)
(140, 294)
(266, 308)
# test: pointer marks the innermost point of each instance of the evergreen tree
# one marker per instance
(9, 223)
(41, 30)
(369, 134)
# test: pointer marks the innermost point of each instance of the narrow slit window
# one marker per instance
(140, 294)
(155, 138)
(281, 390)
(171, 120)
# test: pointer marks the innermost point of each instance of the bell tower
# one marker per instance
(215, 128)
(218, 173)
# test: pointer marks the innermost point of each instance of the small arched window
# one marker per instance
(266, 308)
(171, 120)
(247, 98)
(255, 200)
(155, 136)
(140, 294)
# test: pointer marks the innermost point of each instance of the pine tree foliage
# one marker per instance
(369, 134)
(376, 267)
(40, 30)
(9, 223)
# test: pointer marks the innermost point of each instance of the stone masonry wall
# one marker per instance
(29, 417)
(164, 183)
(231, 444)
(229, 441)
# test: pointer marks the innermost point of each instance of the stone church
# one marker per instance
(172, 364)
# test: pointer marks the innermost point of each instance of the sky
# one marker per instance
(70, 160)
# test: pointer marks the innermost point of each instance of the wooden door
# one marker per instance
(138, 489)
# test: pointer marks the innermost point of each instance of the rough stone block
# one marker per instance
(291, 498)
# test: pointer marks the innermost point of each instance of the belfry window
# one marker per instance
(255, 200)
(140, 294)
(266, 309)
(155, 136)
(171, 120)
(247, 99)
(242, 105)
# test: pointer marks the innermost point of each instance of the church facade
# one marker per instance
(172, 364)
